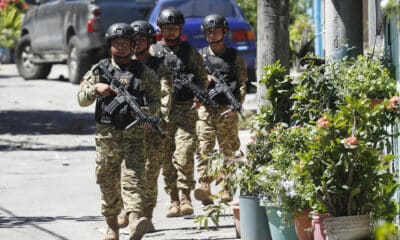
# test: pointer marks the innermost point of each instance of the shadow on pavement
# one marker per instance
(8, 75)
(9, 145)
(18, 221)
(210, 228)
(46, 122)
(14, 221)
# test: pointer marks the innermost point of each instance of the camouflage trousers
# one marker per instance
(212, 127)
(178, 167)
(155, 155)
(120, 168)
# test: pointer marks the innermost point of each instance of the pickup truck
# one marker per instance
(72, 32)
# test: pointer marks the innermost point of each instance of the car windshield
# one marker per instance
(201, 8)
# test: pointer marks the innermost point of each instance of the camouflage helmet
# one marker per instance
(170, 15)
(119, 30)
(144, 27)
(214, 20)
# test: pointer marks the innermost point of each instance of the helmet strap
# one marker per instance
(171, 40)
(122, 57)
(217, 41)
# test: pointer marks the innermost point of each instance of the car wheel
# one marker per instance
(27, 68)
(78, 63)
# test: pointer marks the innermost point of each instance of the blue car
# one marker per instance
(241, 36)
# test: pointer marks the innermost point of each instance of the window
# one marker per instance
(195, 8)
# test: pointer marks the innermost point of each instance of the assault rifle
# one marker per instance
(222, 88)
(186, 80)
(180, 80)
(124, 96)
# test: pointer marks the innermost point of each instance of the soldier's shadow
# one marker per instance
(14, 221)
(46, 122)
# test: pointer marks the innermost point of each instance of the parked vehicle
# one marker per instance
(241, 35)
(71, 31)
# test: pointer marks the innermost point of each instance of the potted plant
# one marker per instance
(269, 159)
(348, 167)
(285, 189)
(338, 96)
(252, 220)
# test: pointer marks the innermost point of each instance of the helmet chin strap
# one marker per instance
(122, 57)
(217, 41)
(171, 40)
(175, 39)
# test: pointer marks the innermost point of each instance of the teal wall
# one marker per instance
(392, 28)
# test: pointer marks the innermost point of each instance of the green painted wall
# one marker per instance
(392, 28)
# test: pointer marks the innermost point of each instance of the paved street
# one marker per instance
(47, 184)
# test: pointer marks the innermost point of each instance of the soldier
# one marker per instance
(181, 58)
(144, 35)
(220, 122)
(116, 147)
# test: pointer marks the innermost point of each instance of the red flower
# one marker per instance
(323, 122)
(352, 140)
(393, 103)
(252, 138)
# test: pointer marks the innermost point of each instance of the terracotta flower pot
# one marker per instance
(375, 101)
(303, 225)
(236, 215)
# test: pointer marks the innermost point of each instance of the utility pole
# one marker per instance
(272, 39)
(343, 28)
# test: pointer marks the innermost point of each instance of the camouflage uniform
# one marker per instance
(154, 142)
(115, 147)
(178, 167)
(212, 125)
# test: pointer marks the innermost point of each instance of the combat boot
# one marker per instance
(138, 226)
(226, 195)
(186, 203)
(112, 232)
(203, 193)
(123, 219)
(174, 209)
(148, 213)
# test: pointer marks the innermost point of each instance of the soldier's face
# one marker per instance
(170, 31)
(120, 47)
(214, 33)
(141, 42)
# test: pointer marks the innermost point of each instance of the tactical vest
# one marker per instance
(225, 65)
(108, 111)
(176, 60)
(154, 63)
